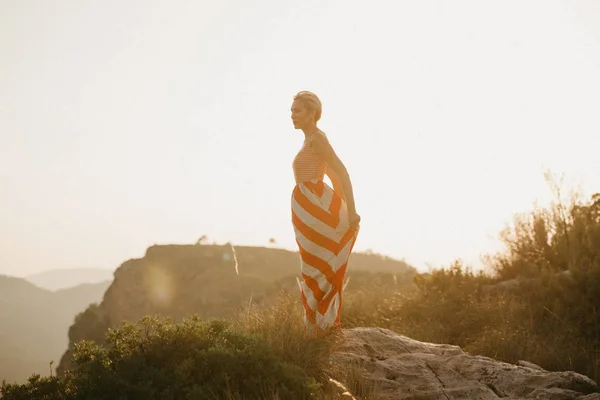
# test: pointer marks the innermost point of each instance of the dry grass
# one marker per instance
(283, 327)
(544, 323)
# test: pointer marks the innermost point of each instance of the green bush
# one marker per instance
(157, 359)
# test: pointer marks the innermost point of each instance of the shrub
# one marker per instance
(157, 359)
(544, 306)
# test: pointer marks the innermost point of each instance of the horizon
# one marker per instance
(124, 126)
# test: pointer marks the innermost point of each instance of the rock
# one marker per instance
(528, 364)
(402, 368)
(593, 396)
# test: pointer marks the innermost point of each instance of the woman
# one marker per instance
(325, 220)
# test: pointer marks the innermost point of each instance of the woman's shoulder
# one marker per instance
(319, 136)
(319, 142)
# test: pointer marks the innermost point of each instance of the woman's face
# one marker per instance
(301, 116)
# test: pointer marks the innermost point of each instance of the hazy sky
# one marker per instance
(125, 124)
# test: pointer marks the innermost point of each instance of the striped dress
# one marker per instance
(324, 237)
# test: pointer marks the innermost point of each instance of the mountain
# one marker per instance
(210, 281)
(34, 324)
(57, 279)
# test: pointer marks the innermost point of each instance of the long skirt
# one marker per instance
(325, 241)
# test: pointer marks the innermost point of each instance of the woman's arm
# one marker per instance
(323, 148)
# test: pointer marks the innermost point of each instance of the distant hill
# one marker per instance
(57, 279)
(34, 324)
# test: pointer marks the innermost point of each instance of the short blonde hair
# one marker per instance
(311, 102)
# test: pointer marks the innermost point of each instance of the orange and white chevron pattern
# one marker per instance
(325, 241)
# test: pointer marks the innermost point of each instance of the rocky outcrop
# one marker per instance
(397, 367)
(206, 280)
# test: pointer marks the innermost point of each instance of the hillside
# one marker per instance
(179, 280)
(226, 359)
(57, 279)
(34, 324)
(450, 333)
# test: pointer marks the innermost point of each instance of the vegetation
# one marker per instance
(250, 358)
(538, 302)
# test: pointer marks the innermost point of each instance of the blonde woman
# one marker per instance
(325, 220)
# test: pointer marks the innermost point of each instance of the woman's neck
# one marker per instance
(309, 131)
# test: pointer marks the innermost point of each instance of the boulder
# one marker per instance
(398, 367)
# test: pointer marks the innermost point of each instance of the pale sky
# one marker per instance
(125, 124)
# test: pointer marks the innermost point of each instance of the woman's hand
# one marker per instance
(354, 220)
